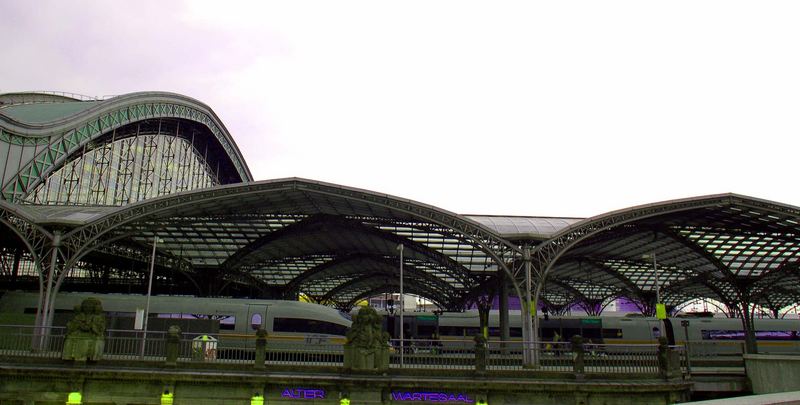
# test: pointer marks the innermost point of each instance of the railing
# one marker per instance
(634, 359)
(504, 355)
(597, 358)
(80, 97)
(31, 341)
(134, 345)
(437, 354)
(126, 345)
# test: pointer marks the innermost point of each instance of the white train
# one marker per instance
(708, 336)
(228, 318)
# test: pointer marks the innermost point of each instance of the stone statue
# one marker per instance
(89, 319)
(367, 346)
(173, 344)
(366, 331)
(86, 332)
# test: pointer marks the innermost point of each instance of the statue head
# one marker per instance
(91, 306)
(366, 329)
(174, 330)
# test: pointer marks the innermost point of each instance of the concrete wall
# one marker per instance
(40, 384)
(782, 398)
(773, 373)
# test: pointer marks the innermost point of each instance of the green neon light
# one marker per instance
(257, 400)
(74, 398)
(167, 398)
(661, 311)
(344, 401)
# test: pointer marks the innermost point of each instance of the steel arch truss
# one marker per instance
(275, 231)
(729, 248)
(51, 144)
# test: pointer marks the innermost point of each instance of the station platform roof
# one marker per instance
(338, 244)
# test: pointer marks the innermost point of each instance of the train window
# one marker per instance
(227, 322)
(612, 333)
(472, 331)
(111, 314)
(458, 331)
(300, 325)
(570, 332)
(57, 311)
(515, 332)
(722, 334)
(451, 331)
(173, 316)
(425, 331)
(739, 335)
(255, 321)
(549, 333)
(592, 334)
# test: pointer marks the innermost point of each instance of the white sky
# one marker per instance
(561, 108)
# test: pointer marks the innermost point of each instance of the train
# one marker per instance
(312, 324)
(708, 335)
(226, 318)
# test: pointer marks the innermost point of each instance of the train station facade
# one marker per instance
(95, 191)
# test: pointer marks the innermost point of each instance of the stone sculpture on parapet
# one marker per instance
(367, 346)
(86, 332)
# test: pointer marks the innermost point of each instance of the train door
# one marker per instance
(669, 332)
(256, 317)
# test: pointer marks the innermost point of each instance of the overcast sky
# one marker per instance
(560, 108)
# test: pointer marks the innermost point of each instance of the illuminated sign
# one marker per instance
(432, 397)
(303, 393)
(167, 398)
(74, 398)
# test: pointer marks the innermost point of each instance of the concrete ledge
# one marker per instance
(124, 386)
(769, 373)
(783, 398)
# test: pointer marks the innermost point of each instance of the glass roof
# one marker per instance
(41, 113)
(537, 227)
(339, 246)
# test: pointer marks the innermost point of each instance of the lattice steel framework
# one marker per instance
(288, 235)
(150, 157)
(41, 148)
(740, 251)
(143, 160)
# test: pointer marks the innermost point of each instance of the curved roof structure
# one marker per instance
(727, 247)
(524, 228)
(336, 244)
(45, 136)
(94, 182)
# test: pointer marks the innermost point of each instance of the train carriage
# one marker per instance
(233, 321)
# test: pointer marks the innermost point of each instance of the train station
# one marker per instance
(215, 287)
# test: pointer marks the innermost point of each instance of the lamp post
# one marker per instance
(686, 347)
(149, 291)
(658, 288)
(402, 305)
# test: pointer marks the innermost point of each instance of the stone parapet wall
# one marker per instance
(770, 373)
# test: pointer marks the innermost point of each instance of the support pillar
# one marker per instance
(43, 314)
(503, 310)
(530, 356)
(15, 268)
(750, 344)
(484, 306)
